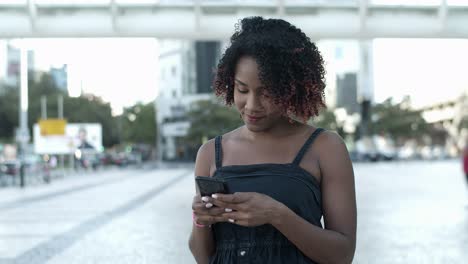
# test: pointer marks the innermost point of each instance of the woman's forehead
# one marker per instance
(247, 73)
(246, 65)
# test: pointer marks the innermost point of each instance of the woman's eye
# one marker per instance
(242, 91)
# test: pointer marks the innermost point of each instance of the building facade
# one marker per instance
(452, 117)
(60, 77)
(186, 70)
(12, 65)
(346, 96)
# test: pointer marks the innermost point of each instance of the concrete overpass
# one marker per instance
(214, 19)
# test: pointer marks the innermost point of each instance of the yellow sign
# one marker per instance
(52, 127)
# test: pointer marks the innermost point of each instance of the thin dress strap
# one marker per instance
(306, 145)
(218, 152)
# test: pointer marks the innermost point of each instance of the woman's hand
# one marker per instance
(205, 213)
(248, 208)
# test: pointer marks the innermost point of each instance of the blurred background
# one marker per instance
(104, 104)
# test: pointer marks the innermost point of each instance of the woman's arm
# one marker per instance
(201, 242)
(337, 242)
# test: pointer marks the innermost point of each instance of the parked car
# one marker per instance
(105, 158)
(11, 167)
(374, 148)
(120, 159)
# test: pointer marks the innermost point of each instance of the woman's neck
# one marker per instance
(280, 131)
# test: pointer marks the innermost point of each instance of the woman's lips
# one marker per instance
(253, 119)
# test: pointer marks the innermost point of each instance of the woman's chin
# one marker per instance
(255, 127)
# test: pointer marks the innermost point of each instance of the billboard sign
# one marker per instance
(86, 136)
(50, 127)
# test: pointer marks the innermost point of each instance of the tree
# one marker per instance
(92, 109)
(139, 124)
(82, 109)
(398, 121)
(9, 104)
(209, 119)
(9, 114)
(327, 120)
(463, 123)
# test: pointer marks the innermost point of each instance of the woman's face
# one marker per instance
(255, 106)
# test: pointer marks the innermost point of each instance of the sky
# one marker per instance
(123, 71)
(429, 70)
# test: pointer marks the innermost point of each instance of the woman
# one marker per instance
(283, 174)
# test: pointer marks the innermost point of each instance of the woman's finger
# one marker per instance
(238, 218)
(201, 206)
(238, 197)
(215, 211)
(231, 206)
(235, 215)
(239, 222)
(210, 219)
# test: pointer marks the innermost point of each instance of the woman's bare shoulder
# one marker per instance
(332, 151)
(328, 140)
(233, 135)
(205, 163)
(207, 149)
(205, 158)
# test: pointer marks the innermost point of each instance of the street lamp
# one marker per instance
(23, 132)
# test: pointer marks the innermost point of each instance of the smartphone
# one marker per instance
(208, 185)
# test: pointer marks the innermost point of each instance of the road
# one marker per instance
(408, 212)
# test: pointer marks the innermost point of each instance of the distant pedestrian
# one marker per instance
(53, 162)
(465, 161)
(281, 173)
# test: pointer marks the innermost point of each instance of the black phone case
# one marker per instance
(208, 186)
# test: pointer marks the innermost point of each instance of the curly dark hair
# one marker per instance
(290, 65)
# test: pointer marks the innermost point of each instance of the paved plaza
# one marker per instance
(408, 212)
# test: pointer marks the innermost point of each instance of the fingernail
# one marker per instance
(205, 198)
(215, 196)
(228, 210)
(209, 205)
(231, 220)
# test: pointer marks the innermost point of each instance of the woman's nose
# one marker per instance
(253, 103)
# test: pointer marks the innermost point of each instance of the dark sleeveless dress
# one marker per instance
(286, 183)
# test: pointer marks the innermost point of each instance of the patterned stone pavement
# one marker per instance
(412, 212)
(408, 212)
